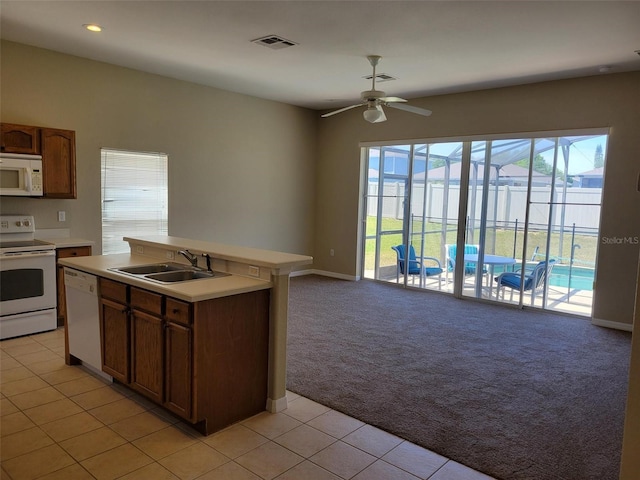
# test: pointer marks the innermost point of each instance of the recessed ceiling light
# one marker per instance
(92, 27)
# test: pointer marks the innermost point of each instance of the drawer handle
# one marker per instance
(175, 311)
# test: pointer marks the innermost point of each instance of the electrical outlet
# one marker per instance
(332, 252)
(170, 255)
(62, 216)
(254, 271)
(139, 249)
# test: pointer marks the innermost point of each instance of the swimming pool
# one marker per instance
(581, 277)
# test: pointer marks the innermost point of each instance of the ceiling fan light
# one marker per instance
(372, 114)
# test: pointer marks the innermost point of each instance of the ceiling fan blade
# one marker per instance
(410, 108)
(393, 99)
(342, 110)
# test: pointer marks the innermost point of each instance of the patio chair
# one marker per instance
(469, 268)
(533, 281)
(416, 267)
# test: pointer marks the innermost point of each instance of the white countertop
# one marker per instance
(190, 291)
(68, 242)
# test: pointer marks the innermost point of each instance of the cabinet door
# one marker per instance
(178, 383)
(115, 325)
(147, 355)
(59, 163)
(20, 139)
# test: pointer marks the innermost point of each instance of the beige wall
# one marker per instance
(630, 464)
(241, 169)
(602, 101)
(266, 174)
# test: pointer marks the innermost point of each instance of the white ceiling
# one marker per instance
(431, 47)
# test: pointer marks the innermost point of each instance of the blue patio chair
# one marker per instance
(469, 267)
(416, 266)
(533, 281)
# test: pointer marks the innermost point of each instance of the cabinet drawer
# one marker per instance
(147, 301)
(68, 252)
(178, 311)
(114, 290)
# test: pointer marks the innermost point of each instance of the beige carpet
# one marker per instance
(515, 394)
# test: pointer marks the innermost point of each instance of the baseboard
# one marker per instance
(627, 327)
(300, 273)
(275, 406)
(324, 273)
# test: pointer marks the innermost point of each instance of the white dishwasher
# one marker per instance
(83, 318)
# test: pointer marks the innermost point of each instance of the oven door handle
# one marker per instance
(25, 255)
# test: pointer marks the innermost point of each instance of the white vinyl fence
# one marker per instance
(583, 208)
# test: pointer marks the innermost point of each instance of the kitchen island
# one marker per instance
(194, 318)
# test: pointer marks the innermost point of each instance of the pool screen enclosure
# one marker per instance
(515, 201)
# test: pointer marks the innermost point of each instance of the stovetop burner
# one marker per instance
(16, 235)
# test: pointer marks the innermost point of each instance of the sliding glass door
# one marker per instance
(527, 229)
(530, 214)
(410, 206)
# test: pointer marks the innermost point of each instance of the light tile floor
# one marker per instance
(62, 422)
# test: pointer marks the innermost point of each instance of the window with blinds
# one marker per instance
(134, 197)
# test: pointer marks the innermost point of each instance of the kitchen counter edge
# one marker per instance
(190, 291)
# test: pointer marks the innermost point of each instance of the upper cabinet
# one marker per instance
(58, 150)
(20, 139)
(59, 162)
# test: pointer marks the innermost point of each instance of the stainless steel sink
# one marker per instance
(183, 275)
(168, 272)
(154, 268)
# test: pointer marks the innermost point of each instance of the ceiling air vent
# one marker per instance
(380, 77)
(275, 42)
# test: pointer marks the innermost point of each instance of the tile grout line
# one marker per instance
(147, 407)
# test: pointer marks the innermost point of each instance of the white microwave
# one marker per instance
(20, 175)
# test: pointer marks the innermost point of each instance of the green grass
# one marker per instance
(503, 243)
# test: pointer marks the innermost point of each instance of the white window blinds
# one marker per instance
(134, 197)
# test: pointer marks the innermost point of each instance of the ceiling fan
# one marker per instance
(376, 99)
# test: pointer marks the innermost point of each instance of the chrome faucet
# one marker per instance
(208, 259)
(193, 259)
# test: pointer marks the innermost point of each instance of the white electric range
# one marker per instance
(27, 279)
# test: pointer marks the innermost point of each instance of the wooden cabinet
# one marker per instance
(58, 150)
(66, 252)
(158, 346)
(58, 162)
(231, 345)
(147, 344)
(115, 328)
(178, 358)
(20, 139)
(205, 361)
